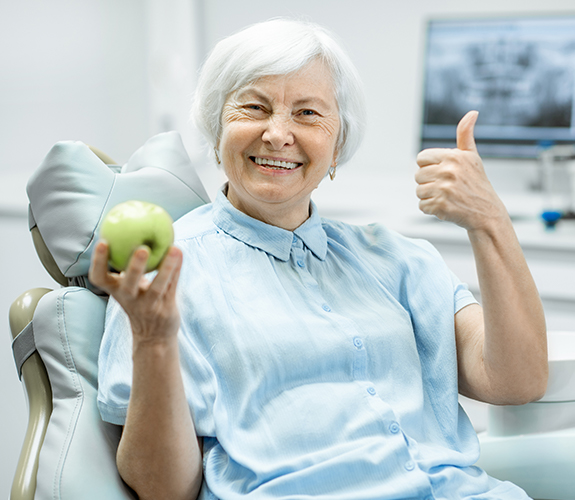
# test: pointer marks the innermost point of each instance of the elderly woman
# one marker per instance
(278, 355)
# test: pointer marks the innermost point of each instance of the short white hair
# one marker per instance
(278, 47)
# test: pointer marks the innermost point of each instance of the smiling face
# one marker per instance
(279, 137)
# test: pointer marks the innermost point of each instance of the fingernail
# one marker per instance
(142, 252)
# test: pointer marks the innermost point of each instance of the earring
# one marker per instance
(331, 171)
(217, 157)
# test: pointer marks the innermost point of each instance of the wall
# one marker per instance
(71, 70)
(86, 70)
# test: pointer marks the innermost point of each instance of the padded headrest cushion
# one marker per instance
(72, 191)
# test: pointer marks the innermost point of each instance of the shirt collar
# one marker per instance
(271, 239)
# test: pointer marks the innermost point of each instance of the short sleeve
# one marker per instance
(462, 297)
(115, 365)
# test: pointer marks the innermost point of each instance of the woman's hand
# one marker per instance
(453, 186)
(150, 305)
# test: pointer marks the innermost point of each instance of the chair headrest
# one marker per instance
(73, 189)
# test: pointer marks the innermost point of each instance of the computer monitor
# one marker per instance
(518, 72)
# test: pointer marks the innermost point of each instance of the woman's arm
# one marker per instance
(502, 349)
(158, 455)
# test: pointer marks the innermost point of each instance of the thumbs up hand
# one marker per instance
(452, 184)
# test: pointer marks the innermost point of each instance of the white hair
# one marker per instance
(278, 47)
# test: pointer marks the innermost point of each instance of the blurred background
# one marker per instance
(112, 73)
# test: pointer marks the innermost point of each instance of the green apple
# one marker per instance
(133, 224)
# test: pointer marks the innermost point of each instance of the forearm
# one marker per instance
(514, 343)
(159, 455)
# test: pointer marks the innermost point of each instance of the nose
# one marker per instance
(278, 133)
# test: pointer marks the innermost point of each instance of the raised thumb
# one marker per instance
(464, 134)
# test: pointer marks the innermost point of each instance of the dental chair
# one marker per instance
(68, 451)
(533, 445)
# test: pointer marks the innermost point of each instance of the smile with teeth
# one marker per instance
(275, 164)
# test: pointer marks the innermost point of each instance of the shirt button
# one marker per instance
(372, 391)
(409, 465)
(326, 308)
(394, 427)
(300, 263)
(357, 342)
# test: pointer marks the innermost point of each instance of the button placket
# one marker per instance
(298, 261)
(359, 359)
(298, 254)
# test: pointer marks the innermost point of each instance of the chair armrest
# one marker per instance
(39, 394)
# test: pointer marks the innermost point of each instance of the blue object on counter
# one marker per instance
(551, 217)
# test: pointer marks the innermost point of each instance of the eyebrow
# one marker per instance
(247, 91)
(311, 100)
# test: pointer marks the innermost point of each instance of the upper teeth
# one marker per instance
(275, 163)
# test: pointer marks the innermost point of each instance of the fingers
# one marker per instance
(98, 274)
(429, 207)
(432, 156)
(428, 174)
(465, 142)
(425, 191)
(430, 159)
(464, 134)
(167, 278)
(150, 305)
(131, 282)
(132, 276)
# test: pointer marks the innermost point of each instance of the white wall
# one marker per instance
(113, 72)
(71, 70)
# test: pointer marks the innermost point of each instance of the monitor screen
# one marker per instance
(519, 73)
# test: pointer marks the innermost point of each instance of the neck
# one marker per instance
(281, 215)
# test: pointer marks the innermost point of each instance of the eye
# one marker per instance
(254, 106)
(308, 112)
(255, 110)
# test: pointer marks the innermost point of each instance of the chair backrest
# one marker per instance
(69, 452)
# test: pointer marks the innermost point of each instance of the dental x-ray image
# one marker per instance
(518, 73)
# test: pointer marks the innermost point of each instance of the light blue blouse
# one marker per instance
(317, 363)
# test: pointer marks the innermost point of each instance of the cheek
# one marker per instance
(322, 149)
(229, 146)
(238, 135)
